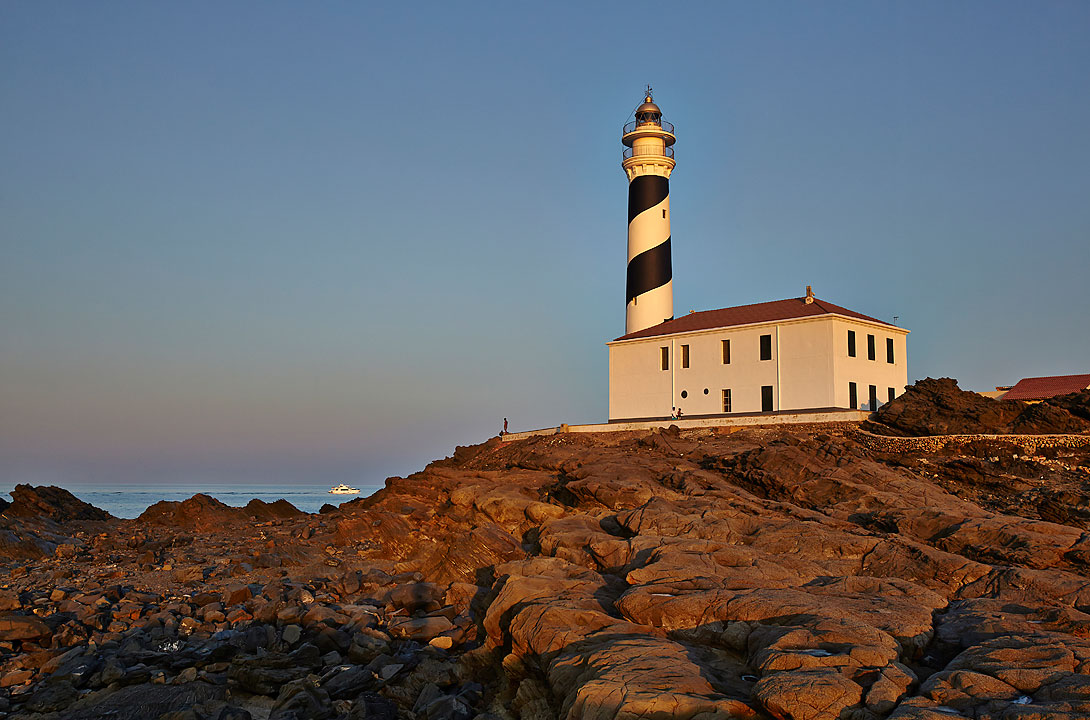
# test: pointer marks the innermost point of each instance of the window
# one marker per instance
(766, 398)
(726, 352)
(684, 356)
(851, 343)
(870, 347)
(705, 391)
(766, 347)
(889, 350)
(664, 213)
(872, 396)
(665, 358)
(892, 394)
(684, 394)
(726, 399)
(853, 396)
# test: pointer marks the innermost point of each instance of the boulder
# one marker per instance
(424, 628)
(23, 627)
(811, 694)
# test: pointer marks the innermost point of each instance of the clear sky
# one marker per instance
(328, 241)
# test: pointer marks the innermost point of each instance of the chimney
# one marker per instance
(809, 295)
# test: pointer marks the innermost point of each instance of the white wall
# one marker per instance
(745, 374)
(637, 387)
(806, 364)
(863, 371)
(809, 369)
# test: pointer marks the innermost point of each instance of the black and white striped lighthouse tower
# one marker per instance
(648, 160)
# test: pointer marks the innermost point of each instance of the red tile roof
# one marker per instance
(1039, 388)
(748, 314)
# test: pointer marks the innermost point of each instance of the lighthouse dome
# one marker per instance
(648, 107)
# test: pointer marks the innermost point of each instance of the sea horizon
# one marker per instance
(129, 500)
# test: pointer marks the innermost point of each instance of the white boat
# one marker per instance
(343, 489)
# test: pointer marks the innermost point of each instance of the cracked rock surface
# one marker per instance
(764, 573)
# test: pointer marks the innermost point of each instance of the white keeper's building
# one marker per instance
(797, 354)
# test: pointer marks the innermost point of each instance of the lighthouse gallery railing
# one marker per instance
(631, 127)
(634, 152)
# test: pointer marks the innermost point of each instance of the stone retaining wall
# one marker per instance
(882, 443)
(934, 443)
(801, 417)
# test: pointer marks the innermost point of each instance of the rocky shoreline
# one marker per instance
(787, 573)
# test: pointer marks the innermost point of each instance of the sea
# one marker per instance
(128, 501)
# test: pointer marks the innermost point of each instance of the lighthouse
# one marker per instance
(648, 159)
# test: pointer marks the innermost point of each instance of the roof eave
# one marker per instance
(807, 318)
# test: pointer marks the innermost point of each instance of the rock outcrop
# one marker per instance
(763, 573)
(51, 503)
(202, 512)
(939, 407)
(42, 521)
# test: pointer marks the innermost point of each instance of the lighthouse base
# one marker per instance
(650, 308)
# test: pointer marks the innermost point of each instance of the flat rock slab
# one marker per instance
(22, 627)
(424, 628)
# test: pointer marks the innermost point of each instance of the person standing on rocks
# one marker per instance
(504, 427)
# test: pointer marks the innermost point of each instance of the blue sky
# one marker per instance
(325, 241)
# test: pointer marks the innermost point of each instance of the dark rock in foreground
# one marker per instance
(51, 503)
(788, 573)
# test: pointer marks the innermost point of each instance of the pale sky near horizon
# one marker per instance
(329, 241)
